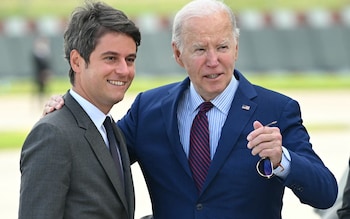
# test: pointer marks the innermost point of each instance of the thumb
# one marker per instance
(257, 124)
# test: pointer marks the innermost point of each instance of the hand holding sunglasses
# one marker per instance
(264, 166)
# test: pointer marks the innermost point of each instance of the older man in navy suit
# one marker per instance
(158, 127)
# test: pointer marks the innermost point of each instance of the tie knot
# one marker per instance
(205, 107)
(107, 123)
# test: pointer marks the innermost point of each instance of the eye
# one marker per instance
(130, 60)
(223, 48)
(110, 58)
(199, 50)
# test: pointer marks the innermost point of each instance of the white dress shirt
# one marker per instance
(95, 114)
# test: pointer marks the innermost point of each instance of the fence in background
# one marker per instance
(282, 41)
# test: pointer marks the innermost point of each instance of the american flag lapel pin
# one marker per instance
(245, 107)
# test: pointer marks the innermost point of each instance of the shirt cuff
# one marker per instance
(283, 168)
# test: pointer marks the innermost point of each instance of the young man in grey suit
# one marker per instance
(66, 166)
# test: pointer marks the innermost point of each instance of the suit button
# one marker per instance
(199, 207)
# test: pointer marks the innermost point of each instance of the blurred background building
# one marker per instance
(279, 41)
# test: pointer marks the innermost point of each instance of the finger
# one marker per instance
(57, 105)
(58, 99)
(267, 138)
(59, 102)
(47, 110)
(257, 124)
(269, 143)
(257, 135)
(256, 141)
(258, 146)
(253, 134)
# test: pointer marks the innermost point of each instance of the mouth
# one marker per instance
(212, 76)
(117, 83)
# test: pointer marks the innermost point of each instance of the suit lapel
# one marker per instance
(236, 121)
(105, 159)
(242, 109)
(169, 113)
(97, 144)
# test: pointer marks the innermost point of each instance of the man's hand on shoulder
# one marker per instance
(54, 103)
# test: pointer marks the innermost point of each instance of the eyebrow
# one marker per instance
(198, 45)
(117, 54)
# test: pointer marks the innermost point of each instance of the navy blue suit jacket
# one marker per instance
(233, 188)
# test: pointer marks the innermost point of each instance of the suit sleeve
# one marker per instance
(128, 125)
(45, 173)
(310, 180)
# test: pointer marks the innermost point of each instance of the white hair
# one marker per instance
(200, 8)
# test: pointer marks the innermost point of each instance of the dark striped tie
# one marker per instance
(199, 156)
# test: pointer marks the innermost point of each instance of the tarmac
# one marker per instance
(327, 110)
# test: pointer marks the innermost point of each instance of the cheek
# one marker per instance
(229, 60)
(193, 63)
(132, 72)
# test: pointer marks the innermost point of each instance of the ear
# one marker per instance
(75, 60)
(177, 54)
(236, 53)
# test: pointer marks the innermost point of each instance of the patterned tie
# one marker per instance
(199, 156)
(113, 148)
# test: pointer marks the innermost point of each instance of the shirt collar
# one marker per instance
(222, 101)
(96, 115)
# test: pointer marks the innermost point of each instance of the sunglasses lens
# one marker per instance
(267, 167)
(264, 167)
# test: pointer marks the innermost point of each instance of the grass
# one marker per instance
(307, 81)
(37, 8)
(12, 139)
(276, 81)
(280, 82)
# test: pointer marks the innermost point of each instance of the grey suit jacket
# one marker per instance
(68, 172)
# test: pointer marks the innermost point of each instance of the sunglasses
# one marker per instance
(264, 166)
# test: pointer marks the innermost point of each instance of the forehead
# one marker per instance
(216, 26)
(116, 41)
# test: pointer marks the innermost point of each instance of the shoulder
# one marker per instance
(172, 90)
(270, 100)
(257, 92)
(271, 94)
(164, 89)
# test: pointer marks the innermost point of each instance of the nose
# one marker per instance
(122, 67)
(212, 58)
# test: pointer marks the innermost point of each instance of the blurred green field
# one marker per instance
(35, 8)
(279, 82)
(276, 81)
